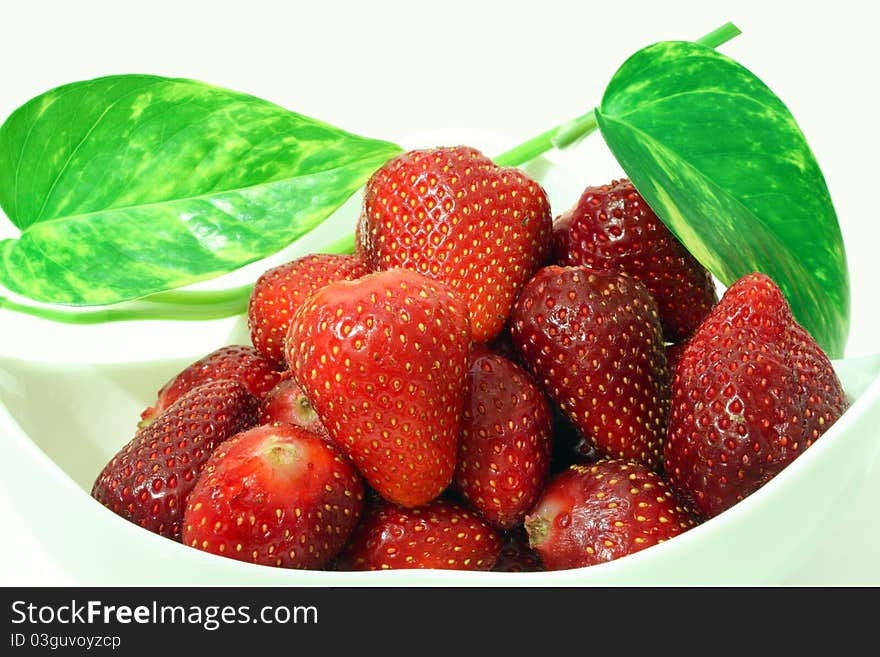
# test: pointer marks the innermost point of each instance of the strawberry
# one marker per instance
(280, 291)
(384, 361)
(455, 216)
(594, 513)
(611, 227)
(506, 439)
(236, 362)
(442, 535)
(751, 392)
(287, 403)
(277, 496)
(149, 479)
(593, 340)
(516, 555)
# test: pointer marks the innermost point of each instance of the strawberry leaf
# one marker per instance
(128, 185)
(722, 162)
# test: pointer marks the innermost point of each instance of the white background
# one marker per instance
(389, 70)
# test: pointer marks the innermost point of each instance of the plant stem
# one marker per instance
(719, 36)
(576, 129)
(540, 144)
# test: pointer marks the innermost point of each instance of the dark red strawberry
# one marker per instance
(149, 479)
(384, 362)
(516, 555)
(441, 535)
(287, 403)
(236, 362)
(752, 391)
(453, 215)
(275, 495)
(280, 291)
(594, 513)
(506, 440)
(593, 340)
(611, 227)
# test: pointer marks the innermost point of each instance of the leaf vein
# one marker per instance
(82, 141)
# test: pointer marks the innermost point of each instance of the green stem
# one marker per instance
(540, 144)
(719, 36)
(576, 129)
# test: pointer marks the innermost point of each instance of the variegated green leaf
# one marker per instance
(128, 185)
(722, 162)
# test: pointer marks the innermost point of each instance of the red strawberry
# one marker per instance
(280, 291)
(611, 227)
(287, 403)
(516, 555)
(593, 339)
(149, 479)
(384, 361)
(594, 513)
(752, 391)
(455, 216)
(441, 535)
(236, 362)
(277, 496)
(506, 440)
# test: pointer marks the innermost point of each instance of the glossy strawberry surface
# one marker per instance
(148, 481)
(237, 362)
(593, 340)
(752, 391)
(277, 496)
(453, 215)
(287, 403)
(612, 227)
(442, 535)
(506, 440)
(281, 290)
(593, 513)
(384, 360)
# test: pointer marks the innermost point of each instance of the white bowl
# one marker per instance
(70, 397)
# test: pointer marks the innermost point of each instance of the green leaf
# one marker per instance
(128, 185)
(722, 162)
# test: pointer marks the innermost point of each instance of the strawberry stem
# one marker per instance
(576, 129)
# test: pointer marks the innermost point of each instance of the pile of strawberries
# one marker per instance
(478, 387)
